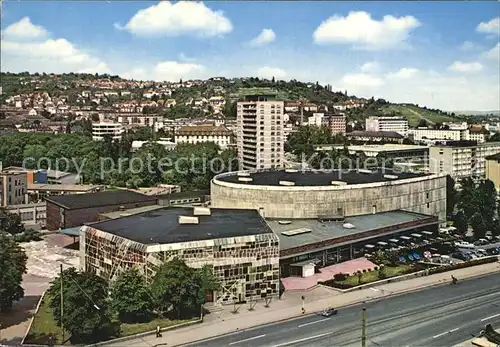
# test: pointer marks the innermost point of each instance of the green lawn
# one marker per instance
(44, 325)
(367, 277)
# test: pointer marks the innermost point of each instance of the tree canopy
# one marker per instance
(13, 266)
(85, 298)
(131, 298)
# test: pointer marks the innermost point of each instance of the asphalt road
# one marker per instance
(439, 316)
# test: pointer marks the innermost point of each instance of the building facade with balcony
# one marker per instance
(260, 136)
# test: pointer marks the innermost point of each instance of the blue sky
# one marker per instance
(439, 54)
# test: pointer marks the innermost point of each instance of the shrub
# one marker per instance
(340, 277)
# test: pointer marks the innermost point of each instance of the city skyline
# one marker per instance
(442, 55)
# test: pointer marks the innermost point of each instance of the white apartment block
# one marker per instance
(142, 120)
(439, 134)
(460, 160)
(393, 124)
(478, 134)
(317, 119)
(102, 129)
(260, 134)
(193, 134)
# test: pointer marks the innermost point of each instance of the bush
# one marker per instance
(340, 277)
(463, 265)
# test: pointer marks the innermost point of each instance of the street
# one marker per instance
(440, 316)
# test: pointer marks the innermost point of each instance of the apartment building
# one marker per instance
(493, 169)
(478, 134)
(461, 159)
(260, 137)
(335, 122)
(219, 135)
(13, 187)
(154, 121)
(421, 134)
(387, 124)
(102, 129)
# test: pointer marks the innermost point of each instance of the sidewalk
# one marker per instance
(225, 322)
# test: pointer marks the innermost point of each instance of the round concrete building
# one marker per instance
(292, 194)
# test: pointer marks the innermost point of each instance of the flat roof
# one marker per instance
(130, 211)
(379, 148)
(322, 231)
(61, 187)
(317, 178)
(162, 226)
(105, 198)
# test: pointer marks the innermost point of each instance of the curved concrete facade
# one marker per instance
(426, 195)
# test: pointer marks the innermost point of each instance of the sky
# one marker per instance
(439, 54)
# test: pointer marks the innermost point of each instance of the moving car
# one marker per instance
(329, 312)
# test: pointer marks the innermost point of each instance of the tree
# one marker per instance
(460, 222)
(207, 280)
(86, 314)
(175, 287)
(382, 273)
(11, 223)
(422, 124)
(451, 195)
(131, 297)
(13, 264)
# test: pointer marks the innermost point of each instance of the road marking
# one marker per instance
(490, 317)
(446, 332)
(317, 321)
(302, 340)
(249, 339)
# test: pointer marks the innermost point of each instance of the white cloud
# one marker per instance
(24, 30)
(362, 31)
(266, 36)
(49, 55)
(405, 72)
(460, 66)
(183, 17)
(491, 27)
(167, 71)
(371, 66)
(270, 72)
(493, 53)
(362, 80)
(467, 46)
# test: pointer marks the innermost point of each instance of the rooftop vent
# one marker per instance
(349, 226)
(338, 183)
(296, 232)
(284, 222)
(291, 170)
(365, 171)
(201, 211)
(287, 183)
(188, 220)
(391, 177)
(243, 174)
(245, 179)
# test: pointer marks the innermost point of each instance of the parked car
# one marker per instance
(464, 244)
(481, 242)
(460, 255)
(329, 312)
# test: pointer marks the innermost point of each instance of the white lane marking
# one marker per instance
(375, 289)
(490, 317)
(317, 321)
(249, 339)
(446, 332)
(302, 340)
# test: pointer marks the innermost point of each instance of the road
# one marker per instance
(439, 316)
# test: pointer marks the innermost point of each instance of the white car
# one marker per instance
(463, 244)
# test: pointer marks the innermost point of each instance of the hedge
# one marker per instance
(463, 265)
